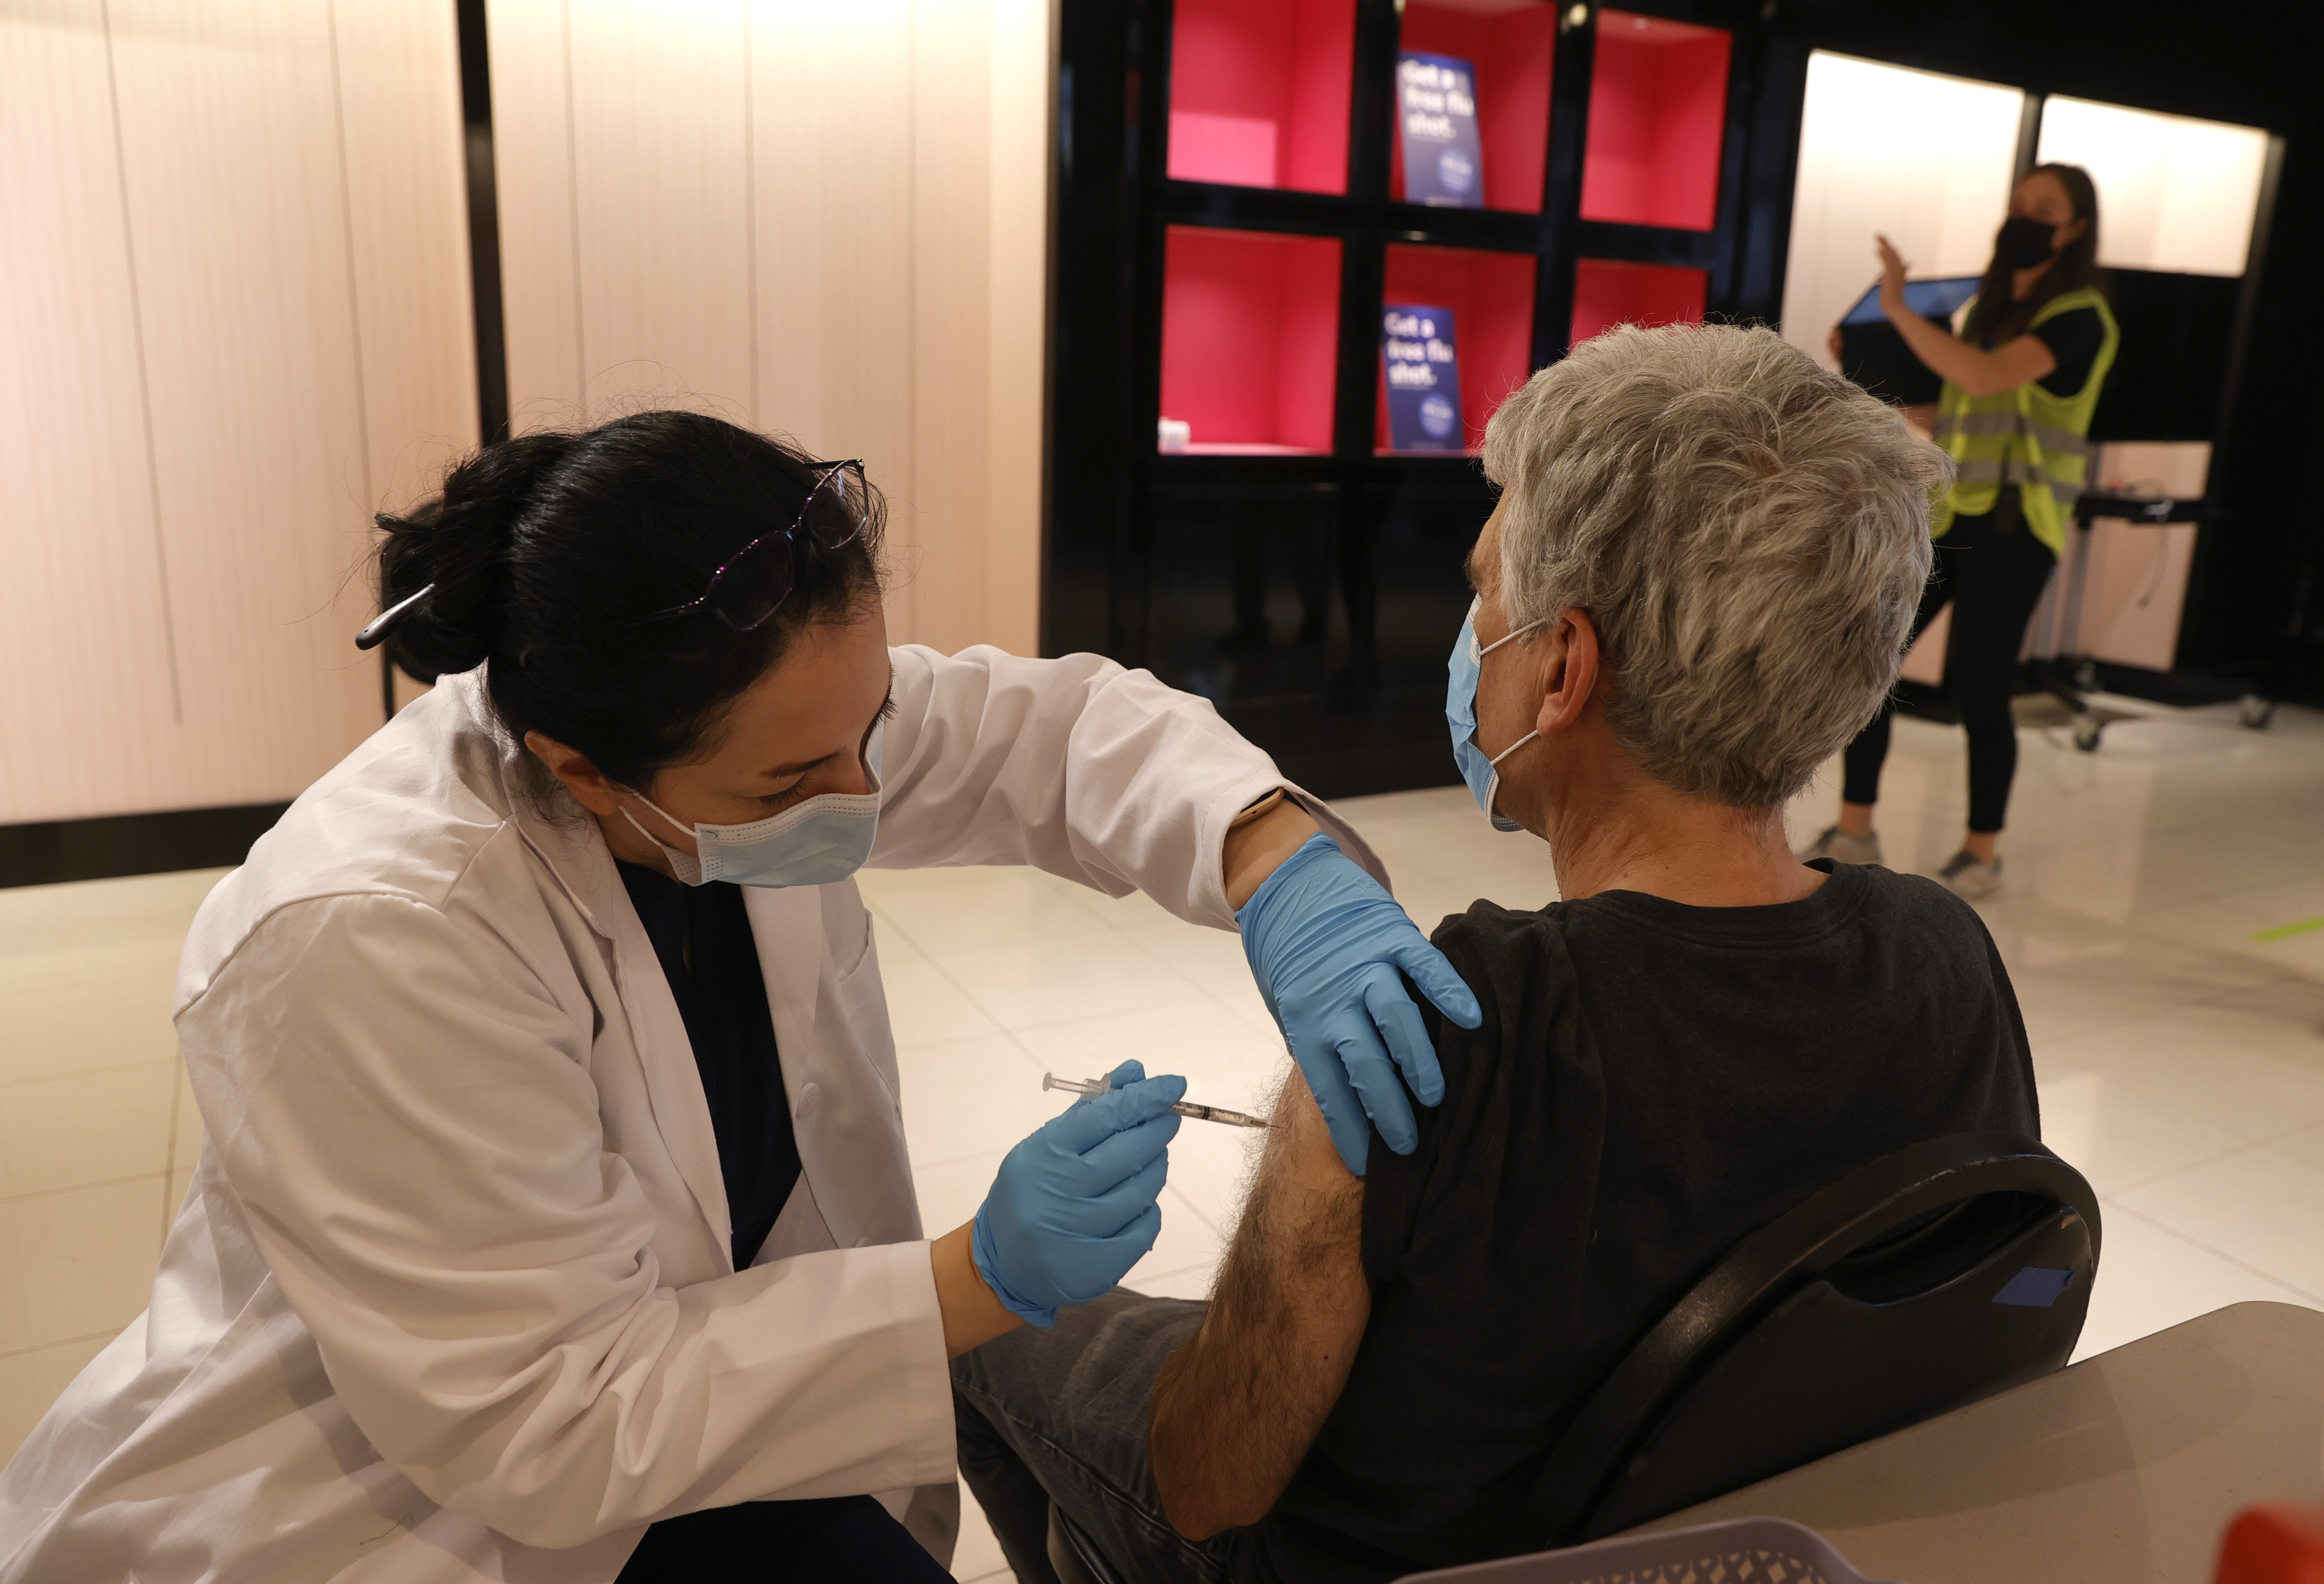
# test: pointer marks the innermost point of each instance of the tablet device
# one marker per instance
(1873, 354)
(1931, 299)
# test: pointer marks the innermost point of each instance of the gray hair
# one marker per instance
(1748, 533)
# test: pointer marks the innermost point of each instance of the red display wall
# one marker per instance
(1258, 92)
(1249, 338)
(1608, 292)
(1490, 295)
(1657, 110)
(1511, 50)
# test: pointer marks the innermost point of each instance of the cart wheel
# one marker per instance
(2255, 711)
(2086, 675)
(2086, 734)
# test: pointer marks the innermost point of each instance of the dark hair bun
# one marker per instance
(459, 541)
(576, 564)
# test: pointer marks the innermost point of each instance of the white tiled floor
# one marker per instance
(98, 1135)
(2180, 1058)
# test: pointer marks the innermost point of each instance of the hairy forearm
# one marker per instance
(1237, 1406)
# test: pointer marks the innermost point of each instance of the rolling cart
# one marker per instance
(2069, 675)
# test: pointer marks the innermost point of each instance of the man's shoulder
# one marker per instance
(1914, 901)
(1519, 963)
(1489, 931)
(1862, 899)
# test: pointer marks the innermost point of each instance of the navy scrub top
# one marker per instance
(703, 936)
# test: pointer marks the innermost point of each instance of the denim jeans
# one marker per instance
(1994, 581)
(1060, 1415)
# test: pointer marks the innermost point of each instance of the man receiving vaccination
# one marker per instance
(1695, 590)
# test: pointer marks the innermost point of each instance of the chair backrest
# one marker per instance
(1937, 1275)
(1738, 1551)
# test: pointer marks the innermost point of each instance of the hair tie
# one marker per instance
(381, 625)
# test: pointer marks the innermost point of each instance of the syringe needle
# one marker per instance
(1184, 1107)
(1220, 1114)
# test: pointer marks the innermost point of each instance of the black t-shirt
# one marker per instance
(2073, 338)
(1652, 1083)
(702, 933)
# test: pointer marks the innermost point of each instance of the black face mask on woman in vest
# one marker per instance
(2024, 243)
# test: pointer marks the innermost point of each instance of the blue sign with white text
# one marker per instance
(1436, 122)
(1422, 371)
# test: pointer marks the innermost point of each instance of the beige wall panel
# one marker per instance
(661, 175)
(229, 129)
(231, 234)
(87, 717)
(1024, 65)
(827, 220)
(2175, 193)
(399, 67)
(834, 249)
(1922, 158)
(532, 161)
(981, 137)
(953, 333)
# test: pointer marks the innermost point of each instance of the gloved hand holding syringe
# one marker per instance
(1184, 1107)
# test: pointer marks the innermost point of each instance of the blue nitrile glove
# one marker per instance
(1325, 943)
(1072, 1208)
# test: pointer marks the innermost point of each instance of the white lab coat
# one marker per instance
(451, 1296)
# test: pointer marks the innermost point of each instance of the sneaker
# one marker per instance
(1970, 878)
(1842, 848)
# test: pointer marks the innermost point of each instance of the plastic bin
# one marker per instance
(2274, 1543)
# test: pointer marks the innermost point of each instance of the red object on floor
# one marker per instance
(1512, 51)
(1250, 323)
(1608, 292)
(2274, 1542)
(1258, 92)
(1490, 295)
(1657, 117)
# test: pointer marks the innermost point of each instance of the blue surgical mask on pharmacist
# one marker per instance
(822, 840)
(1461, 670)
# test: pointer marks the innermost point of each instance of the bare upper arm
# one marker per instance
(1237, 1406)
(1297, 1256)
(1305, 1160)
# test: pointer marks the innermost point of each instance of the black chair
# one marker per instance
(1933, 1277)
(1938, 1275)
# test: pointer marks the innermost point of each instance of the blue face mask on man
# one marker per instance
(822, 840)
(1482, 774)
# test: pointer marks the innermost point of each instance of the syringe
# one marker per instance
(1184, 1107)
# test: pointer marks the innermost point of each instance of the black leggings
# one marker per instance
(1993, 581)
(840, 1539)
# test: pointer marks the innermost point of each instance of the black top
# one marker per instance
(2073, 338)
(703, 936)
(1652, 1082)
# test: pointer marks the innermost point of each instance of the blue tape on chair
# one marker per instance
(2034, 1287)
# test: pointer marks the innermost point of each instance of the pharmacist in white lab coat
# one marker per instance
(553, 1219)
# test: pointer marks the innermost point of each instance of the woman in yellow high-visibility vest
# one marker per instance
(2020, 384)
